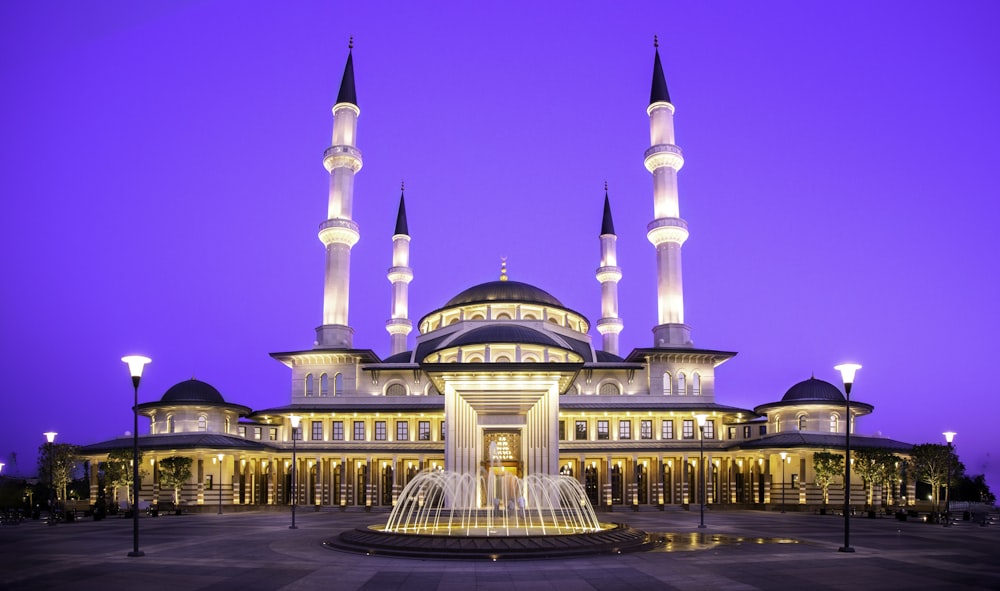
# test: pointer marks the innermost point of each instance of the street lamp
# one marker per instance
(50, 437)
(135, 365)
(783, 456)
(220, 456)
(295, 489)
(949, 436)
(701, 464)
(847, 371)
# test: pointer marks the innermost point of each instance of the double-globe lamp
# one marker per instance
(847, 371)
(135, 365)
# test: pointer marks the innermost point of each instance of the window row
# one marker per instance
(359, 431)
(602, 429)
(802, 423)
(681, 387)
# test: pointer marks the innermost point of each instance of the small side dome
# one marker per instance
(193, 391)
(813, 390)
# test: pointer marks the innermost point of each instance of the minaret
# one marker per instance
(339, 232)
(667, 231)
(609, 274)
(400, 275)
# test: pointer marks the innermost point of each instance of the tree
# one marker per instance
(974, 489)
(930, 464)
(174, 472)
(875, 465)
(827, 466)
(118, 472)
(55, 466)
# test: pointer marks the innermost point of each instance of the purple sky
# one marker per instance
(162, 187)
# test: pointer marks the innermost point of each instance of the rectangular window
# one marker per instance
(562, 430)
(763, 430)
(731, 432)
(746, 432)
(687, 429)
(241, 431)
(402, 430)
(297, 433)
(380, 433)
(667, 430)
(424, 431)
(338, 431)
(209, 481)
(272, 434)
(709, 430)
(602, 430)
(317, 430)
(442, 430)
(359, 430)
(625, 429)
(256, 433)
(581, 430)
(645, 429)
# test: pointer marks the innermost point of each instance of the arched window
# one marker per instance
(228, 425)
(802, 423)
(474, 359)
(777, 424)
(202, 423)
(681, 384)
(696, 384)
(396, 389)
(338, 385)
(170, 423)
(477, 316)
(609, 389)
(324, 385)
(834, 422)
(502, 359)
(666, 383)
(528, 316)
(503, 316)
(309, 385)
(528, 359)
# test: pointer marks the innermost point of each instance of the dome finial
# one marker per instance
(350, 43)
(503, 268)
(656, 42)
(402, 187)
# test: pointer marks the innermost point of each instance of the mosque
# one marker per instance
(502, 377)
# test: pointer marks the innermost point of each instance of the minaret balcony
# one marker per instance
(610, 325)
(339, 231)
(605, 274)
(662, 155)
(665, 230)
(396, 326)
(400, 275)
(342, 157)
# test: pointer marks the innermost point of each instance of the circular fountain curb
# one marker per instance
(616, 540)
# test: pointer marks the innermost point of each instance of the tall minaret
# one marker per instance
(339, 232)
(667, 231)
(609, 274)
(400, 275)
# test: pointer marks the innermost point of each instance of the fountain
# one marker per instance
(492, 514)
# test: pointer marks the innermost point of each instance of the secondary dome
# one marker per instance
(504, 291)
(193, 391)
(813, 390)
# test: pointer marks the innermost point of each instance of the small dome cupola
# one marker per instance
(192, 392)
(813, 390)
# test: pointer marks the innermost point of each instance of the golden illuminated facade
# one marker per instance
(502, 376)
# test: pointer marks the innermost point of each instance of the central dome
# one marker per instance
(193, 391)
(504, 291)
(813, 390)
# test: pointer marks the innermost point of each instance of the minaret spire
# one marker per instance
(400, 275)
(667, 231)
(339, 233)
(609, 274)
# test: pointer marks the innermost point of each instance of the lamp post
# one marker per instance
(847, 371)
(701, 464)
(949, 436)
(50, 438)
(783, 456)
(135, 365)
(220, 456)
(295, 489)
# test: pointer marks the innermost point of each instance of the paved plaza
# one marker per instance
(737, 550)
